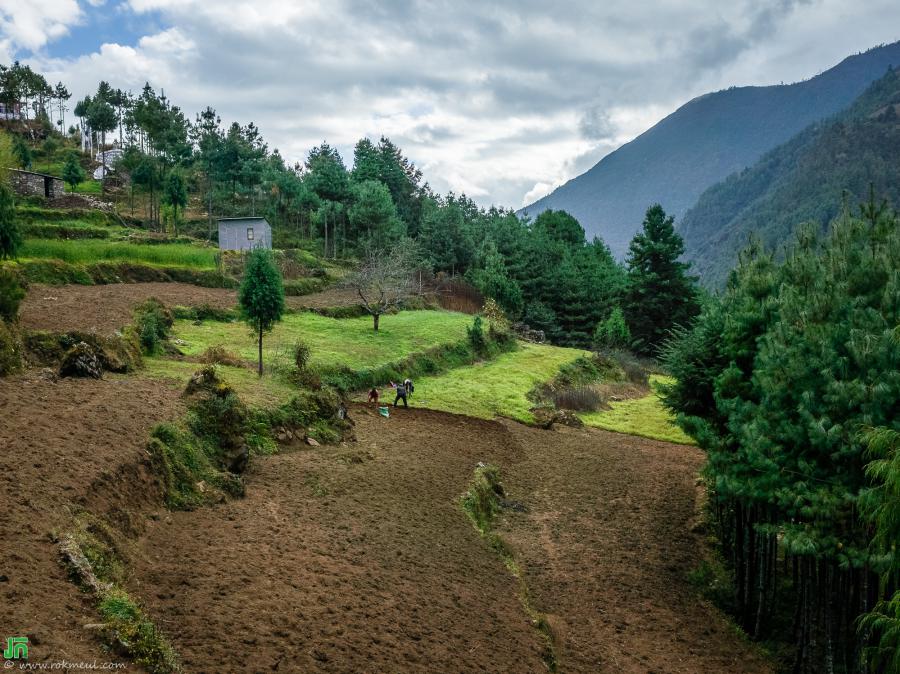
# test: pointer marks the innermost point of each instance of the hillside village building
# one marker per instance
(11, 110)
(244, 233)
(31, 184)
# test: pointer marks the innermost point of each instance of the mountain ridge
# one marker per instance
(704, 141)
(810, 178)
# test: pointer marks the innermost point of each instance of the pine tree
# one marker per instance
(492, 279)
(261, 295)
(175, 194)
(613, 333)
(659, 295)
(774, 381)
(72, 172)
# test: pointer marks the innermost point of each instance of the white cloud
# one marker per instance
(31, 24)
(503, 100)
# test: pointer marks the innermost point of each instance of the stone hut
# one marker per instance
(31, 184)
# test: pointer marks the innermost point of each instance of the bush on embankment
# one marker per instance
(201, 460)
(59, 272)
(11, 295)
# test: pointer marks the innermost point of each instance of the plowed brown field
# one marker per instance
(359, 558)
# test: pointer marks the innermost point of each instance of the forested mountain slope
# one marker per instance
(806, 179)
(701, 143)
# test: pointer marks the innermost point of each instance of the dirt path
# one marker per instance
(337, 566)
(106, 308)
(60, 443)
(606, 548)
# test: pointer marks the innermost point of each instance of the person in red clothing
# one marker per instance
(373, 395)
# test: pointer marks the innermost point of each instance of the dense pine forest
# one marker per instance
(790, 381)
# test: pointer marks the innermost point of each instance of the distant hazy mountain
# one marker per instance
(701, 143)
(803, 180)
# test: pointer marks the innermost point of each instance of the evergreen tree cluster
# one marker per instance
(778, 381)
(544, 272)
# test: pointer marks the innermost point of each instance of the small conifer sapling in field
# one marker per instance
(261, 296)
(613, 333)
(72, 172)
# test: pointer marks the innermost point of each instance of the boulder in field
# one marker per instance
(81, 360)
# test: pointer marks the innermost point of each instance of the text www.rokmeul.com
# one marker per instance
(64, 665)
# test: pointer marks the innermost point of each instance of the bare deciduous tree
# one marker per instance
(384, 280)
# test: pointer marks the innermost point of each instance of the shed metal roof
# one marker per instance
(35, 173)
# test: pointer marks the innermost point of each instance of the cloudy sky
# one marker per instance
(501, 100)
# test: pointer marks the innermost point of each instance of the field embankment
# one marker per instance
(64, 444)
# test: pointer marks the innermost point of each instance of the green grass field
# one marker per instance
(87, 251)
(640, 416)
(269, 391)
(494, 388)
(346, 341)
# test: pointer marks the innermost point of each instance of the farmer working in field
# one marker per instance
(401, 394)
(409, 386)
(373, 395)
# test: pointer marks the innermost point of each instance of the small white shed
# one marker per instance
(244, 233)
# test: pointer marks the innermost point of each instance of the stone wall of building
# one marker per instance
(26, 183)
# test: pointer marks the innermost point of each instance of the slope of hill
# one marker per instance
(701, 143)
(803, 180)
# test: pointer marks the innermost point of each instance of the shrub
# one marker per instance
(633, 369)
(153, 322)
(134, 630)
(302, 286)
(219, 355)
(482, 500)
(81, 361)
(301, 354)
(222, 419)
(578, 399)
(613, 333)
(11, 295)
(476, 335)
(10, 235)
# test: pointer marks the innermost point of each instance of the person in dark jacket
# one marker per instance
(401, 395)
(410, 389)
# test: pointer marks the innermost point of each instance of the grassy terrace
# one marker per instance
(640, 416)
(87, 251)
(499, 388)
(493, 388)
(269, 391)
(346, 341)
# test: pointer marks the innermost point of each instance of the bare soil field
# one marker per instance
(606, 547)
(348, 559)
(360, 559)
(61, 445)
(106, 308)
